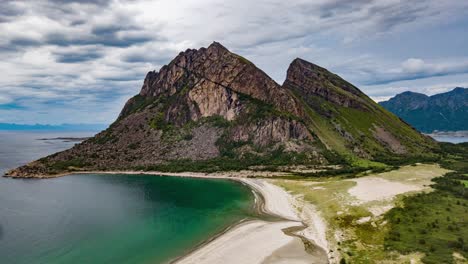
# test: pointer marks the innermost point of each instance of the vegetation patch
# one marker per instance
(67, 165)
(268, 161)
(435, 223)
(358, 229)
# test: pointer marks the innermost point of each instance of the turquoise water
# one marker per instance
(114, 218)
(108, 218)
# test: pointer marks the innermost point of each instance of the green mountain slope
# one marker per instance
(348, 121)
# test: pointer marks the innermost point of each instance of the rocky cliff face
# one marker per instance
(215, 78)
(210, 109)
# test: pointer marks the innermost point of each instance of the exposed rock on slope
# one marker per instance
(210, 109)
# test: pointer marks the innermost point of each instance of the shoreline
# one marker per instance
(248, 240)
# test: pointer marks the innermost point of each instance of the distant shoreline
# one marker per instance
(454, 137)
(461, 133)
(66, 139)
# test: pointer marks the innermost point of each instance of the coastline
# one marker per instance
(250, 240)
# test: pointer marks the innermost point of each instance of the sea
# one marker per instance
(107, 218)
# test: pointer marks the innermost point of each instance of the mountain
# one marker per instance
(210, 109)
(444, 112)
(62, 127)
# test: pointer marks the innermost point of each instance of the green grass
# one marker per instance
(363, 163)
(323, 129)
(465, 182)
(68, 165)
(433, 223)
(138, 103)
(158, 122)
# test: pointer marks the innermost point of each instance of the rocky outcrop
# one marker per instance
(313, 80)
(218, 72)
(271, 131)
(389, 140)
(212, 99)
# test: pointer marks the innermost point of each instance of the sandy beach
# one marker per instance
(260, 241)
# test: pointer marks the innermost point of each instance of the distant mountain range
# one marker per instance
(443, 112)
(62, 127)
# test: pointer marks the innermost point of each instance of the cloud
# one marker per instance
(78, 56)
(68, 59)
(415, 68)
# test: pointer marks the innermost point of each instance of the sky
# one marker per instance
(66, 61)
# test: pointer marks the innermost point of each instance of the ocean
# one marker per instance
(107, 218)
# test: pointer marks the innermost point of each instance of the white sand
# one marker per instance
(316, 226)
(258, 241)
(277, 200)
(369, 189)
(251, 242)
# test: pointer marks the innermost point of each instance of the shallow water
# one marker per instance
(109, 218)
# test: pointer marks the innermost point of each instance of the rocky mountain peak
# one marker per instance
(215, 70)
(218, 47)
(460, 90)
(312, 80)
(410, 99)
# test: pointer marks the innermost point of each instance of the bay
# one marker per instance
(108, 218)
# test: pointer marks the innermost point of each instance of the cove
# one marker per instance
(115, 218)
